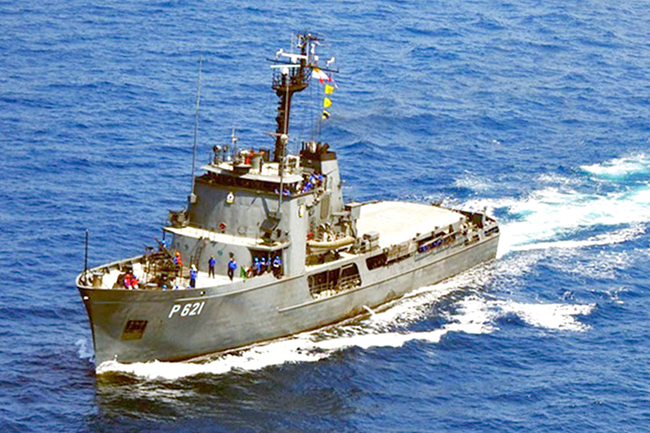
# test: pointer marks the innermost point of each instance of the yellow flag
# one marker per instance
(327, 102)
(326, 114)
(329, 89)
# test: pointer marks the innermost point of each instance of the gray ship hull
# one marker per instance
(144, 325)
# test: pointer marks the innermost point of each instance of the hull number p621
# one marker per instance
(185, 310)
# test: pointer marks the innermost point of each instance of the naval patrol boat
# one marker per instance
(267, 247)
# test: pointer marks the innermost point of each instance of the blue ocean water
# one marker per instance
(537, 111)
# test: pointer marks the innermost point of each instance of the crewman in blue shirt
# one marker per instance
(257, 265)
(277, 266)
(262, 265)
(211, 264)
(193, 277)
(232, 266)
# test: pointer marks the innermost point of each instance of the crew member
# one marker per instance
(258, 266)
(178, 262)
(232, 266)
(277, 266)
(135, 283)
(262, 265)
(193, 277)
(127, 280)
(211, 264)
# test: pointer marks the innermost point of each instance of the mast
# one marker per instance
(192, 197)
(293, 77)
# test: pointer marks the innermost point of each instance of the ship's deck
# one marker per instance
(202, 279)
(398, 221)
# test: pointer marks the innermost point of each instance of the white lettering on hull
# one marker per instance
(187, 310)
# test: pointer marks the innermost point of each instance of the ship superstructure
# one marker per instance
(267, 247)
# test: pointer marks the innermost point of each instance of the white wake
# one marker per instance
(620, 167)
(474, 315)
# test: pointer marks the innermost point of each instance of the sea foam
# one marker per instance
(620, 167)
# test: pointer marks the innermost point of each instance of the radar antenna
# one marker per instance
(292, 75)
